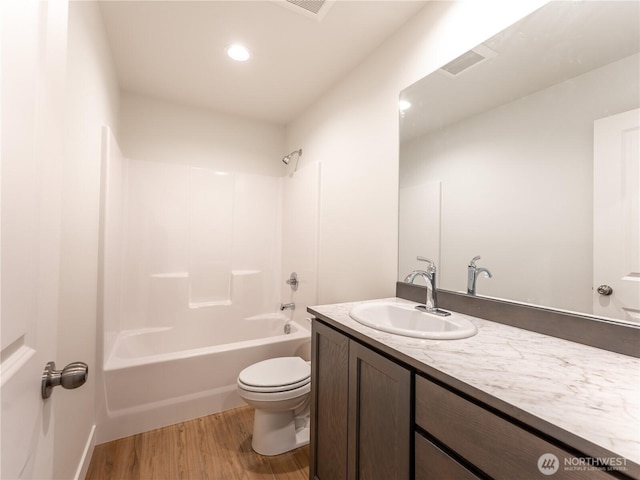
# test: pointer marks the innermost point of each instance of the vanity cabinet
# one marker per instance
(377, 417)
(360, 411)
(487, 441)
(433, 463)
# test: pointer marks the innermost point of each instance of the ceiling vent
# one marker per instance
(316, 9)
(312, 6)
(469, 59)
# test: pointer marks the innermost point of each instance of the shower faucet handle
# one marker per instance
(293, 281)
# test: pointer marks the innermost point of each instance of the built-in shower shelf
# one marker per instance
(244, 272)
(170, 275)
(213, 303)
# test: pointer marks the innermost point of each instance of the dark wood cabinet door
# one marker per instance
(329, 403)
(379, 417)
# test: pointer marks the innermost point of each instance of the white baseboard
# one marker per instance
(85, 460)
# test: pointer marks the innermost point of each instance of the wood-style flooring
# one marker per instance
(216, 447)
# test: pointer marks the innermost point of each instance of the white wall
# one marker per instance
(300, 235)
(111, 291)
(162, 131)
(92, 99)
(353, 131)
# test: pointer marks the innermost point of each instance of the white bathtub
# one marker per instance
(157, 377)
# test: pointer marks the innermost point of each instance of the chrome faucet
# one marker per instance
(472, 275)
(287, 306)
(431, 303)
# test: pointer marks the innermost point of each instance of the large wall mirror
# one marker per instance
(524, 151)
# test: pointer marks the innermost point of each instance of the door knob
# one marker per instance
(605, 290)
(73, 375)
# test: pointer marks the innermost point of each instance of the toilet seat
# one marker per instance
(276, 396)
(274, 389)
(275, 375)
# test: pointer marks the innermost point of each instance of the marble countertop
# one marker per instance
(590, 393)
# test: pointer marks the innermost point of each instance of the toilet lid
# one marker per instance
(276, 372)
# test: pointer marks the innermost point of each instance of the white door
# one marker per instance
(33, 69)
(616, 222)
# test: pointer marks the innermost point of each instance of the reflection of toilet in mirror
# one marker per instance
(279, 389)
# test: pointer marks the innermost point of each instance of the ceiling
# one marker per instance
(558, 42)
(175, 50)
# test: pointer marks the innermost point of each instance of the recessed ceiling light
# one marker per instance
(404, 105)
(238, 52)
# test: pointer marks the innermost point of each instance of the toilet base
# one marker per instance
(279, 432)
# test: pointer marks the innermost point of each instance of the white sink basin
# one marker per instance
(406, 320)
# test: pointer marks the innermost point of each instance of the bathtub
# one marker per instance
(160, 376)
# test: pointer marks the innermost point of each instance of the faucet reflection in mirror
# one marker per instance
(431, 303)
(473, 272)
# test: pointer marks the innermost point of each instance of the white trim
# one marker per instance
(85, 460)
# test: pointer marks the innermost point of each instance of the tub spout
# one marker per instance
(287, 306)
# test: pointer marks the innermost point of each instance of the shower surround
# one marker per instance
(191, 256)
(198, 238)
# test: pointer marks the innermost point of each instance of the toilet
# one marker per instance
(280, 390)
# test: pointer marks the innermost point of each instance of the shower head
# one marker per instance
(287, 159)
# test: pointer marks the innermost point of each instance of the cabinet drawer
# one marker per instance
(496, 446)
(431, 462)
